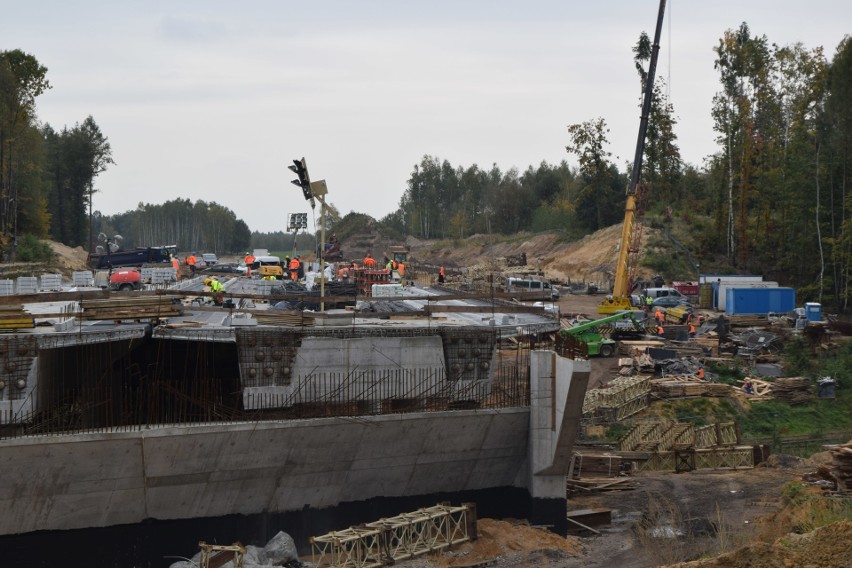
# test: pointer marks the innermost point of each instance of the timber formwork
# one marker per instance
(737, 457)
(387, 541)
(621, 398)
(675, 446)
(663, 436)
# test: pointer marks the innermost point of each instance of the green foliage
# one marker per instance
(839, 366)
(199, 226)
(727, 375)
(617, 430)
(30, 249)
(775, 418)
(798, 359)
(546, 218)
(792, 493)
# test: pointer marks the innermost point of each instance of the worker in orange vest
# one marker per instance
(249, 261)
(441, 275)
(343, 274)
(701, 372)
(191, 262)
(176, 266)
(294, 268)
(691, 330)
(658, 315)
(369, 261)
(660, 330)
(400, 268)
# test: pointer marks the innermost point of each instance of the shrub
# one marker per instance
(30, 249)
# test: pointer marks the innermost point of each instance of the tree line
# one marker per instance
(46, 175)
(775, 199)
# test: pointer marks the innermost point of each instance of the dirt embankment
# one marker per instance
(588, 260)
(65, 262)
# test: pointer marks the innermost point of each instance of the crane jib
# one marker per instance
(646, 103)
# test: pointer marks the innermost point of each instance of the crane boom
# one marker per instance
(620, 299)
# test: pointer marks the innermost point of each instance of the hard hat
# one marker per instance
(207, 281)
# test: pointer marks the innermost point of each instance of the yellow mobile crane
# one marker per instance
(630, 230)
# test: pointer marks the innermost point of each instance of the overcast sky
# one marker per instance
(211, 100)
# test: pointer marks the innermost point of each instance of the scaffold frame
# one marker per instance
(389, 540)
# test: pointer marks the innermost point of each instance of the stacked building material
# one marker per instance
(841, 456)
(14, 317)
(793, 390)
(748, 321)
(138, 308)
(636, 348)
(283, 317)
(619, 392)
(587, 464)
(592, 484)
(685, 386)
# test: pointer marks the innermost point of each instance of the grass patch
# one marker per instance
(775, 418)
(809, 509)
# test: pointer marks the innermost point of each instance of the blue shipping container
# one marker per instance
(759, 301)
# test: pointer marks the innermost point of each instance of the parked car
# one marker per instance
(670, 302)
(209, 258)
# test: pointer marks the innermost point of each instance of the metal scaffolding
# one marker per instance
(387, 541)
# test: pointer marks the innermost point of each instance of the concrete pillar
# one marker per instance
(557, 389)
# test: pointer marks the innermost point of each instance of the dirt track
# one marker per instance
(668, 518)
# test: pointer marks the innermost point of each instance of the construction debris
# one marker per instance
(841, 456)
(793, 390)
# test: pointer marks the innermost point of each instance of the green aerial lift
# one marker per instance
(597, 343)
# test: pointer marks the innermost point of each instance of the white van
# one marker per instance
(532, 285)
(655, 293)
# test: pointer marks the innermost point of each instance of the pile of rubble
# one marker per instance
(841, 456)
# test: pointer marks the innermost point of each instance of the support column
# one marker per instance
(557, 389)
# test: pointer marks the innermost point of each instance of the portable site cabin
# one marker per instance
(709, 285)
(721, 294)
(759, 301)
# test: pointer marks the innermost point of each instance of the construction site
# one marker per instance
(403, 428)
(525, 400)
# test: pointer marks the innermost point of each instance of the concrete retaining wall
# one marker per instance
(67, 482)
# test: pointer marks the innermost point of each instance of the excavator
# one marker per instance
(631, 228)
